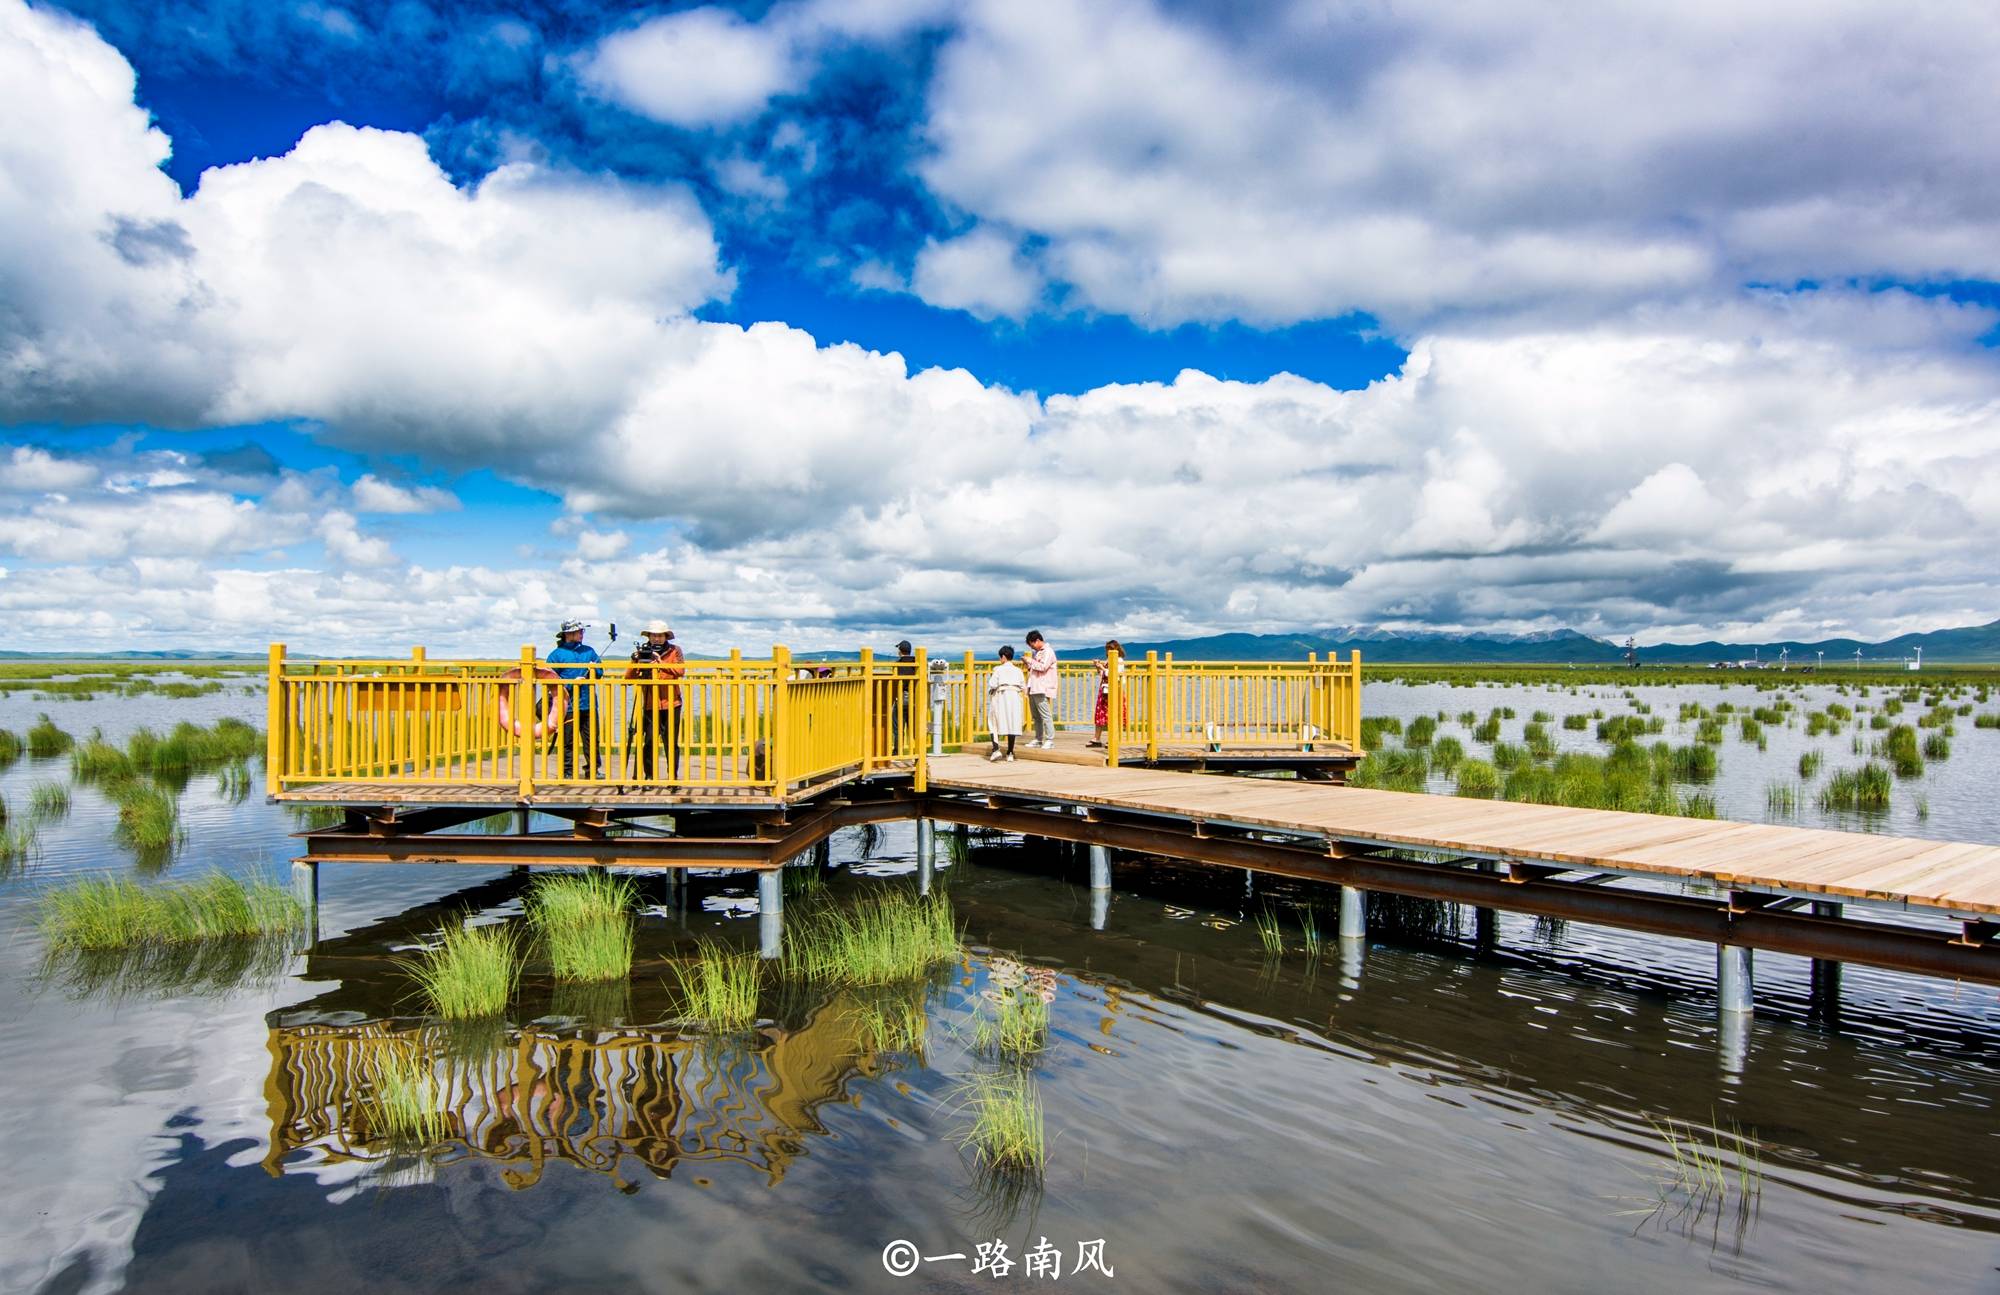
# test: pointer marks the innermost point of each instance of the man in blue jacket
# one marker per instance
(573, 659)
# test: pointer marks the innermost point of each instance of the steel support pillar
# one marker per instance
(770, 912)
(1353, 913)
(305, 887)
(1735, 980)
(926, 854)
(1825, 994)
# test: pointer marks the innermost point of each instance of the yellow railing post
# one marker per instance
(778, 754)
(868, 711)
(1114, 707)
(919, 722)
(975, 706)
(524, 720)
(1152, 707)
(275, 711)
(1353, 735)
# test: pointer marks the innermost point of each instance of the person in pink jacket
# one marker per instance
(1042, 679)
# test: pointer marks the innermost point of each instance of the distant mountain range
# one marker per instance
(1965, 645)
(1968, 644)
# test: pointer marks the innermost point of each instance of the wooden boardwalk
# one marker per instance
(1951, 877)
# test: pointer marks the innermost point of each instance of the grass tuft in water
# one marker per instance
(719, 987)
(96, 760)
(1018, 1029)
(114, 913)
(891, 1021)
(149, 817)
(1713, 1169)
(1270, 934)
(18, 843)
(1007, 1130)
(404, 1104)
(46, 741)
(1809, 763)
(584, 922)
(1478, 778)
(895, 935)
(48, 800)
(10, 747)
(471, 973)
(1866, 788)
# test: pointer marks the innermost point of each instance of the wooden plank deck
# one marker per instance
(1957, 877)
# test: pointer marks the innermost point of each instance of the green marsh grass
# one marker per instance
(149, 817)
(115, 913)
(1446, 752)
(1270, 934)
(46, 741)
(1007, 1128)
(232, 782)
(96, 760)
(891, 1021)
(1781, 800)
(584, 921)
(1018, 1028)
(1937, 745)
(404, 1104)
(1713, 1169)
(1478, 778)
(471, 973)
(1809, 762)
(1866, 788)
(1309, 931)
(719, 987)
(48, 800)
(18, 843)
(886, 937)
(1900, 747)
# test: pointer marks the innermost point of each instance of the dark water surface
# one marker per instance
(1411, 1116)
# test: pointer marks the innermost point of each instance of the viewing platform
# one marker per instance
(739, 732)
(749, 764)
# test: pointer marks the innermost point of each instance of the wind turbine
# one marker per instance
(1857, 658)
(1821, 661)
(1784, 655)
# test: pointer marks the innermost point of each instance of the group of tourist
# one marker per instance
(656, 721)
(1008, 683)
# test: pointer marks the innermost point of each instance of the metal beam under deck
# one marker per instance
(1718, 921)
(733, 839)
(755, 843)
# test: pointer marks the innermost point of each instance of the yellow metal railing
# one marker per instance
(741, 727)
(1158, 703)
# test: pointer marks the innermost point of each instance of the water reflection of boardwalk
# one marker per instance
(614, 1101)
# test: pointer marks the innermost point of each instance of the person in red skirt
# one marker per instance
(1101, 715)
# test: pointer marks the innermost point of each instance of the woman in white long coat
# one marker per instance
(1006, 686)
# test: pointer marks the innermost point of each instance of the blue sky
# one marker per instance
(367, 324)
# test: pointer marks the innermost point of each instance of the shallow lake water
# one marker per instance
(1415, 1115)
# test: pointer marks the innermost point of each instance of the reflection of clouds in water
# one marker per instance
(730, 903)
(84, 1154)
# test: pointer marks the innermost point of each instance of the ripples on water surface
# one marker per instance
(1415, 1118)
